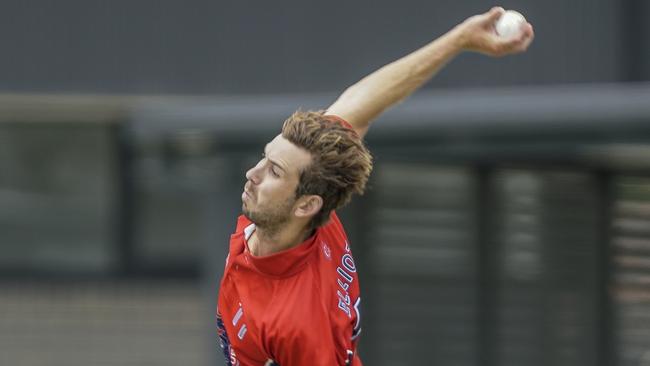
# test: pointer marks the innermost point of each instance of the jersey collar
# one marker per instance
(281, 264)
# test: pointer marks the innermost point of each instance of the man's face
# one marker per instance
(269, 194)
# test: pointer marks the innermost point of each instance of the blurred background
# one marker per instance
(507, 221)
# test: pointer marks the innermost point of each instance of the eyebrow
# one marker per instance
(273, 162)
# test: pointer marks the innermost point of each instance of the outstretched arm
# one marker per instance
(368, 98)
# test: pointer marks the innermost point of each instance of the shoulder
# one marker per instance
(333, 227)
(334, 237)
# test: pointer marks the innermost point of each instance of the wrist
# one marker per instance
(458, 38)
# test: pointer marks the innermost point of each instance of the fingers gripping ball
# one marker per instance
(510, 24)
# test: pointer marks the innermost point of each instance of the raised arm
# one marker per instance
(368, 98)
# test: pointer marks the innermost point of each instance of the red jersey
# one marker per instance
(298, 307)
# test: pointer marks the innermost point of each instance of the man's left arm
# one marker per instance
(368, 98)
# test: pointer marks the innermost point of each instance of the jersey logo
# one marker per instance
(327, 251)
(345, 279)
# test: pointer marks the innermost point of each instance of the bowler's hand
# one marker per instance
(478, 34)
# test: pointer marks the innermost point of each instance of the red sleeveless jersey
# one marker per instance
(298, 307)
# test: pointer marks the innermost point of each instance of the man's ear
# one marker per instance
(308, 206)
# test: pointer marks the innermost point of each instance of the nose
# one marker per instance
(253, 173)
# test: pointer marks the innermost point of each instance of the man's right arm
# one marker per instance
(368, 98)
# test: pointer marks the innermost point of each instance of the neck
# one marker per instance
(264, 242)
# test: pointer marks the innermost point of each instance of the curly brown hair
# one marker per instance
(340, 163)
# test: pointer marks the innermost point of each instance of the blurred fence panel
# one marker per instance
(630, 287)
(547, 255)
(422, 258)
(58, 197)
(173, 180)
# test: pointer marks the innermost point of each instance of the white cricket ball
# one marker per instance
(510, 24)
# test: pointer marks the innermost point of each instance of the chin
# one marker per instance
(247, 213)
